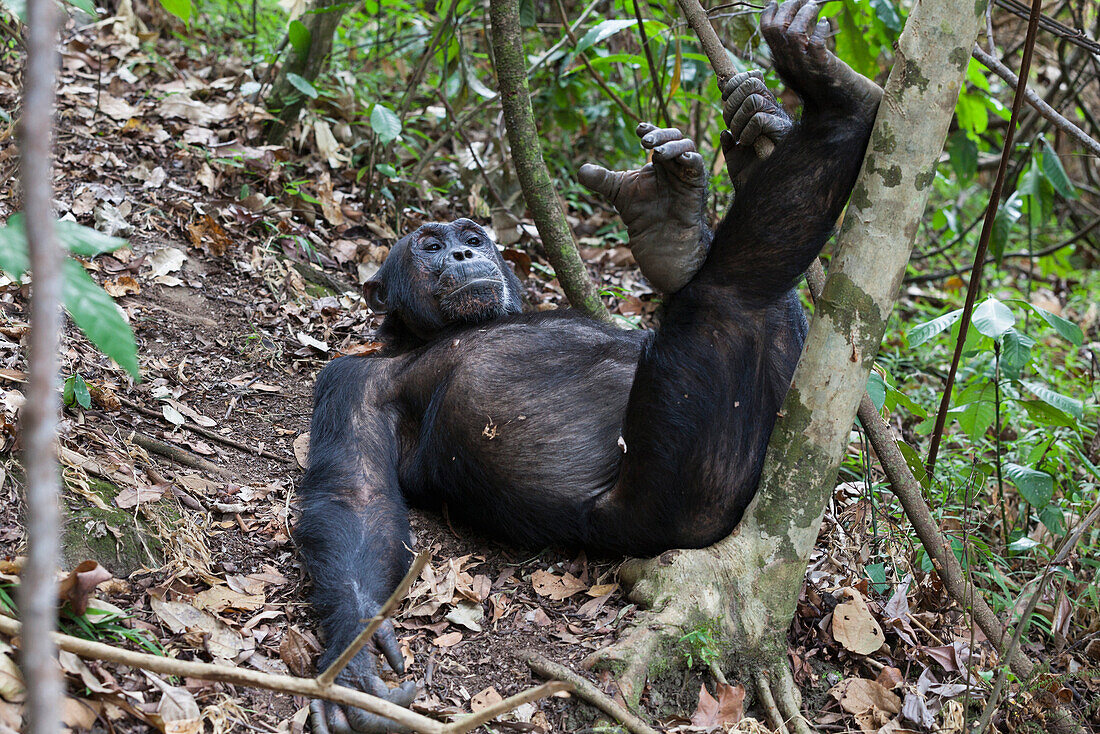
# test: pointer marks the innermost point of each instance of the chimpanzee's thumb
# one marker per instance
(600, 180)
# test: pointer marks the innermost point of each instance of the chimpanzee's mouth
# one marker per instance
(477, 299)
(494, 283)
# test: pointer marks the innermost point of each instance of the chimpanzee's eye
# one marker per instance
(473, 241)
(432, 246)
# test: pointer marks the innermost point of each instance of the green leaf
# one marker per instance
(385, 123)
(887, 12)
(977, 416)
(97, 316)
(963, 155)
(76, 392)
(921, 333)
(852, 44)
(1054, 519)
(1022, 544)
(85, 241)
(179, 8)
(1036, 487)
(1068, 330)
(1052, 168)
(993, 318)
(601, 32)
(301, 85)
(1016, 352)
(1070, 405)
(527, 17)
(877, 573)
(85, 5)
(300, 38)
(876, 389)
(14, 259)
(18, 8)
(998, 237)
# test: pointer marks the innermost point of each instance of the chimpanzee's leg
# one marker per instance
(354, 527)
(708, 387)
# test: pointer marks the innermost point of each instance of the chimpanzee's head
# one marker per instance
(441, 275)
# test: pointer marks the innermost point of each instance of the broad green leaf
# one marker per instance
(385, 123)
(852, 44)
(964, 155)
(876, 389)
(14, 259)
(1036, 487)
(998, 237)
(1047, 415)
(972, 113)
(1052, 167)
(1069, 330)
(1022, 544)
(1016, 352)
(85, 241)
(993, 318)
(179, 8)
(76, 392)
(301, 85)
(976, 417)
(527, 17)
(97, 316)
(601, 32)
(300, 38)
(877, 573)
(921, 333)
(1054, 519)
(887, 12)
(1070, 405)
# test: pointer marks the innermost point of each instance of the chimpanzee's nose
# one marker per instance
(461, 255)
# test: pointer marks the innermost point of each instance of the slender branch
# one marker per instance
(983, 239)
(1033, 99)
(657, 91)
(586, 690)
(327, 676)
(489, 713)
(178, 455)
(38, 590)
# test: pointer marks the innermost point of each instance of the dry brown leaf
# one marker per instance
(177, 712)
(134, 496)
(297, 651)
(219, 598)
(556, 587)
(78, 586)
(207, 234)
(857, 695)
(78, 714)
(712, 712)
(448, 640)
(11, 680)
(485, 699)
(854, 627)
(301, 450)
(71, 663)
(116, 108)
(124, 285)
(218, 638)
(889, 677)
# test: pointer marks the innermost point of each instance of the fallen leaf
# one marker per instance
(134, 496)
(468, 615)
(728, 708)
(556, 587)
(857, 695)
(207, 234)
(78, 586)
(301, 450)
(854, 627)
(116, 108)
(177, 712)
(297, 651)
(166, 260)
(448, 640)
(219, 598)
(124, 285)
(485, 699)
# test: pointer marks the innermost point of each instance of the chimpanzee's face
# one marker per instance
(444, 274)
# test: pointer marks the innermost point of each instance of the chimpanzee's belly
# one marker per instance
(522, 433)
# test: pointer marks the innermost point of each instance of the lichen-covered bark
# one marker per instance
(538, 189)
(753, 577)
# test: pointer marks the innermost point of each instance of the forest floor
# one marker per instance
(240, 282)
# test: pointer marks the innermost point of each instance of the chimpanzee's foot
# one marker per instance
(751, 112)
(824, 82)
(663, 205)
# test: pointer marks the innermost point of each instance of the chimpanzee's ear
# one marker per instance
(374, 293)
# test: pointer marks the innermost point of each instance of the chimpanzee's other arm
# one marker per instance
(353, 531)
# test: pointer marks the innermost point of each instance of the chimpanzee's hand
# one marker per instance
(824, 82)
(362, 674)
(663, 205)
(751, 113)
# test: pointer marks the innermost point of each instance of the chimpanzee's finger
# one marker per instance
(387, 643)
(822, 31)
(786, 13)
(643, 128)
(738, 79)
(748, 88)
(764, 124)
(767, 16)
(661, 136)
(751, 106)
(805, 20)
(337, 720)
(672, 150)
(600, 180)
(317, 722)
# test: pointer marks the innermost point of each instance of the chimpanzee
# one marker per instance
(550, 428)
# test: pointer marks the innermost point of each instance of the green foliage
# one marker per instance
(179, 8)
(75, 392)
(89, 305)
(700, 644)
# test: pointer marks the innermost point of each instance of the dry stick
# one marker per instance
(908, 491)
(178, 455)
(329, 674)
(208, 434)
(587, 691)
(719, 59)
(489, 713)
(238, 676)
(38, 592)
(1033, 99)
(987, 230)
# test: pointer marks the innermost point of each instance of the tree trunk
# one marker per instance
(747, 585)
(285, 100)
(523, 138)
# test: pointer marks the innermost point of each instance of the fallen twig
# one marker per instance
(178, 455)
(256, 451)
(586, 690)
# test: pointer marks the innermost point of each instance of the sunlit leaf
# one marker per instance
(992, 318)
(1070, 405)
(385, 123)
(1036, 487)
(303, 86)
(179, 8)
(921, 333)
(97, 316)
(601, 32)
(300, 38)
(1067, 329)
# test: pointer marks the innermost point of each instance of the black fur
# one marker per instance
(518, 421)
